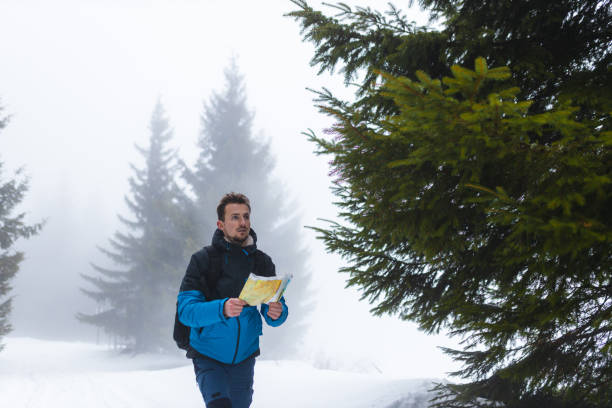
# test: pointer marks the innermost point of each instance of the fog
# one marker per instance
(80, 80)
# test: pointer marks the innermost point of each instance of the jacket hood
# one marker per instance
(219, 242)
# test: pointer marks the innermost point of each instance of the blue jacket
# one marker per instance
(228, 340)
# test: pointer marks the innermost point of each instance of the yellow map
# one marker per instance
(258, 291)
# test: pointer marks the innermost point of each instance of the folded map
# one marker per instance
(260, 289)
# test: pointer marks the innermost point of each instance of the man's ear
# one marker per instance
(220, 224)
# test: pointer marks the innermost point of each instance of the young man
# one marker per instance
(225, 330)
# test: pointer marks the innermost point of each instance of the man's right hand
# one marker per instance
(233, 307)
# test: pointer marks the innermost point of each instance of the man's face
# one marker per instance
(237, 223)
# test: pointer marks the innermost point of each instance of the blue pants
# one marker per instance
(225, 385)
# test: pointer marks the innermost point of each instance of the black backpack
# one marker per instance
(213, 272)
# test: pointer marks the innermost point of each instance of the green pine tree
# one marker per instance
(232, 159)
(12, 228)
(479, 204)
(133, 301)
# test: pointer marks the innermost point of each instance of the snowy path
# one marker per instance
(47, 374)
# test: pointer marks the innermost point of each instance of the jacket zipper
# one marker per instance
(237, 340)
(237, 317)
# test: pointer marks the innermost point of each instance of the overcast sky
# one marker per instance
(80, 80)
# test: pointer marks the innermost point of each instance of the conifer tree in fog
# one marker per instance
(134, 300)
(12, 227)
(231, 158)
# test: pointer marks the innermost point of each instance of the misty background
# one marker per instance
(80, 80)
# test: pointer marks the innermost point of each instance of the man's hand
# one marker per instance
(233, 307)
(275, 309)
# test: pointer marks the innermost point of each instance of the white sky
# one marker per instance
(80, 79)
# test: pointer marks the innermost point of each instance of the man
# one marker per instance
(225, 330)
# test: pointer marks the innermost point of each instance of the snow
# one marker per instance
(41, 373)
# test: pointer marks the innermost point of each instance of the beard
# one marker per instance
(237, 239)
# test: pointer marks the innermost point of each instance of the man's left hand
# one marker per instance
(275, 309)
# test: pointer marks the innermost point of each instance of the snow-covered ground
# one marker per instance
(50, 374)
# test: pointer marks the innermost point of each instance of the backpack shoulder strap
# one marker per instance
(214, 268)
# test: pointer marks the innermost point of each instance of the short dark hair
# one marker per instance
(231, 198)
